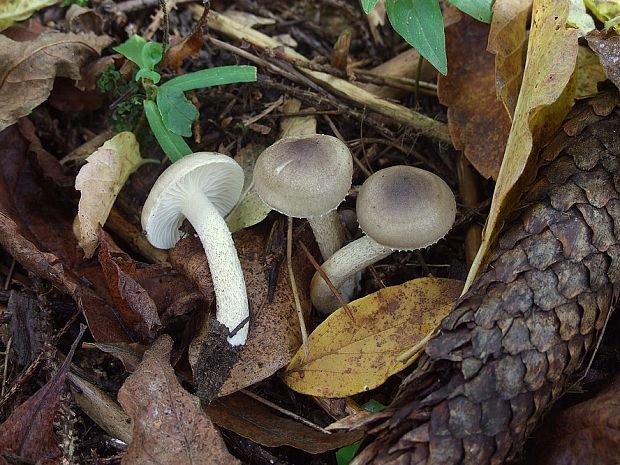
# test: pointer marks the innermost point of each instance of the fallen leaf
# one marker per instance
(169, 425)
(253, 420)
(12, 11)
(468, 87)
(589, 73)
(507, 41)
(347, 357)
(607, 11)
(274, 326)
(578, 17)
(607, 47)
(29, 203)
(144, 294)
(28, 69)
(187, 47)
(546, 95)
(29, 431)
(586, 433)
(83, 20)
(250, 209)
(99, 182)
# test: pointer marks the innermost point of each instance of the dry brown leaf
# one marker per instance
(274, 327)
(546, 95)
(507, 41)
(99, 182)
(478, 121)
(607, 47)
(29, 431)
(28, 69)
(586, 433)
(169, 425)
(29, 204)
(253, 420)
(347, 357)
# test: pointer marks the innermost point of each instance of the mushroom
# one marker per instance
(307, 177)
(398, 208)
(203, 187)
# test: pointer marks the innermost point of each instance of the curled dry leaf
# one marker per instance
(18, 10)
(468, 87)
(146, 296)
(169, 425)
(507, 41)
(29, 204)
(352, 356)
(28, 69)
(274, 326)
(587, 433)
(29, 431)
(253, 420)
(546, 95)
(99, 182)
(607, 47)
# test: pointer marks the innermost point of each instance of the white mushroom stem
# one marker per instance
(328, 232)
(351, 259)
(230, 293)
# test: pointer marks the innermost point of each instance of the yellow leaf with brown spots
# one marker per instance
(347, 357)
(546, 95)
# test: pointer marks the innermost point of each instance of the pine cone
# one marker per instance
(509, 347)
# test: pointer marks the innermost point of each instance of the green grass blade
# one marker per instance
(213, 77)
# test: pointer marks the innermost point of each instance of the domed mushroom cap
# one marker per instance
(217, 176)
(404, 208)
(304, 177)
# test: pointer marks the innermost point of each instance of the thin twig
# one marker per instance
(284, 411)
(320, 271)
(5, 370)
(9, 275)
(291, 275)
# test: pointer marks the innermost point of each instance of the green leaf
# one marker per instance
(132, 49)
(477, 9)
(420, 23)
(152, 53)
(368, 5)
(10, 12)
(172, 144)
(176, 111)
(212, 77)
(148, 74)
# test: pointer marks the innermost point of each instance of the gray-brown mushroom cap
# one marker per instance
(304, 177)
(404, 208)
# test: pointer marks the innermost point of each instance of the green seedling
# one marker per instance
(344, 455)
(168, 111)
(420, 23)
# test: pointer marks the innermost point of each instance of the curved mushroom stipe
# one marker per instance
(203, 187)
(399, 208)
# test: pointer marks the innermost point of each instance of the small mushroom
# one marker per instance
(307, 177)
(398, 208)
(203, 187)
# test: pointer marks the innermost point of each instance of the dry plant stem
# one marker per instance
(417, 121)
(328, 232)
(101, 408)
(332, 288)
(134, 237)
(513, 342)
(291, 274)
(5, 370)
(470, 196)
(352, 258)
(283, 411)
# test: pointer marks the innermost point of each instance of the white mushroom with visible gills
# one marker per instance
(307, 177)
(203, 187)
(398, 208)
